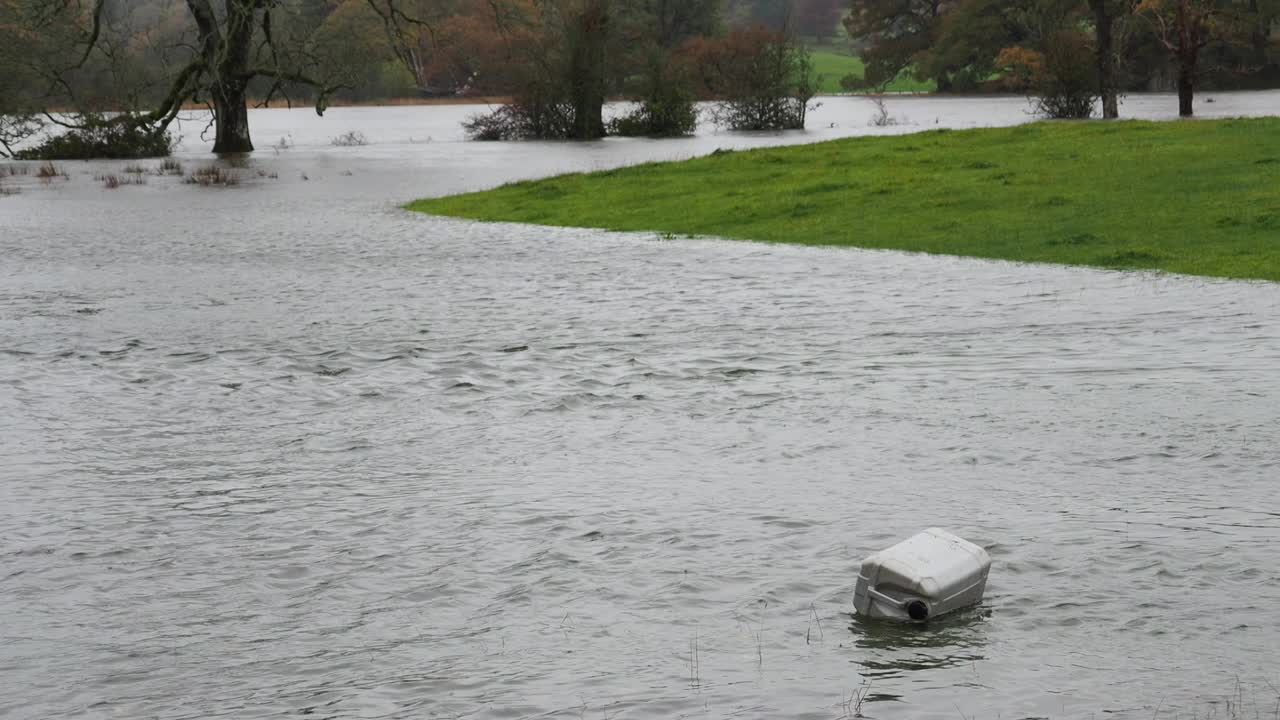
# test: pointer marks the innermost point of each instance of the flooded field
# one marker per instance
(283, 449)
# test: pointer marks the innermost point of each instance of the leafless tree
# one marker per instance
(227, 47)
(1185, 28)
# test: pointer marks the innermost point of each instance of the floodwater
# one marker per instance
(286, 450)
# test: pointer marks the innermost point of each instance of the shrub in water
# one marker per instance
(1062, 77)
(559, 76)
(491, 126)
(667, 106)
(354, 138)
(527, 118)
(110, 138)
(1068, 88)
(762, 78)
(211, 175)
(48, 171)
(113, 181)
(169, 166)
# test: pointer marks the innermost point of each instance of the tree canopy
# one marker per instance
(957, 43)
(151, 58)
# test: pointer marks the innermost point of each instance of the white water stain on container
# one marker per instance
(927, 575)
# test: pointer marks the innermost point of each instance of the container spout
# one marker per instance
(918, 610)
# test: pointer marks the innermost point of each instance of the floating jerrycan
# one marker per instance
(922, 577)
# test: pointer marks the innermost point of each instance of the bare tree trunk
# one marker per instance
(231, 116)
(1103, 23)
(1189, 27)
(230, 102)
(1186, 89)
(588, 70)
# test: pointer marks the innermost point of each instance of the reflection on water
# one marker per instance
(286, 450)
(894, 650)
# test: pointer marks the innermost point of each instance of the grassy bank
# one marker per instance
(831, 66)
(1199, 197)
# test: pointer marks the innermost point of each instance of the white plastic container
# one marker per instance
(922, 577)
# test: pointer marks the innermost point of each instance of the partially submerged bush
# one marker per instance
(881, 118)
(560, 74)
(666, 104)
(1062, 77)
(664, 112)
(48, 172)
(117, 138)
(657, 120)
(211, 175)
(169, 166)
(353, 138)
(493, 126)
(113, 181)
(1068, 88)
(523, 119)
(763, 79)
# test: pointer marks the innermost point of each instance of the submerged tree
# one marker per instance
(1052, 61)
(762, 79)
(1186, 27)
(586, 29)
(561, 56)
(228, 60)
(1105, 14)
(650, 69)
(1068, 87)
(568, 56)
(220, 51)
(1181, 26)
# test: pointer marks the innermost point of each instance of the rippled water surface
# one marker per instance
(284, 449)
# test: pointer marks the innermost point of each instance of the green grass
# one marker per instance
(1197, 197)
(832, 65)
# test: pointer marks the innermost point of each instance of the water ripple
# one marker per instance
(306, 454)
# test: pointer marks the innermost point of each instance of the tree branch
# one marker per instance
(206, 19)
(181, 89)
(95, 31)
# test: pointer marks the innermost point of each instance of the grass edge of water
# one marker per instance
(1182, 197)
